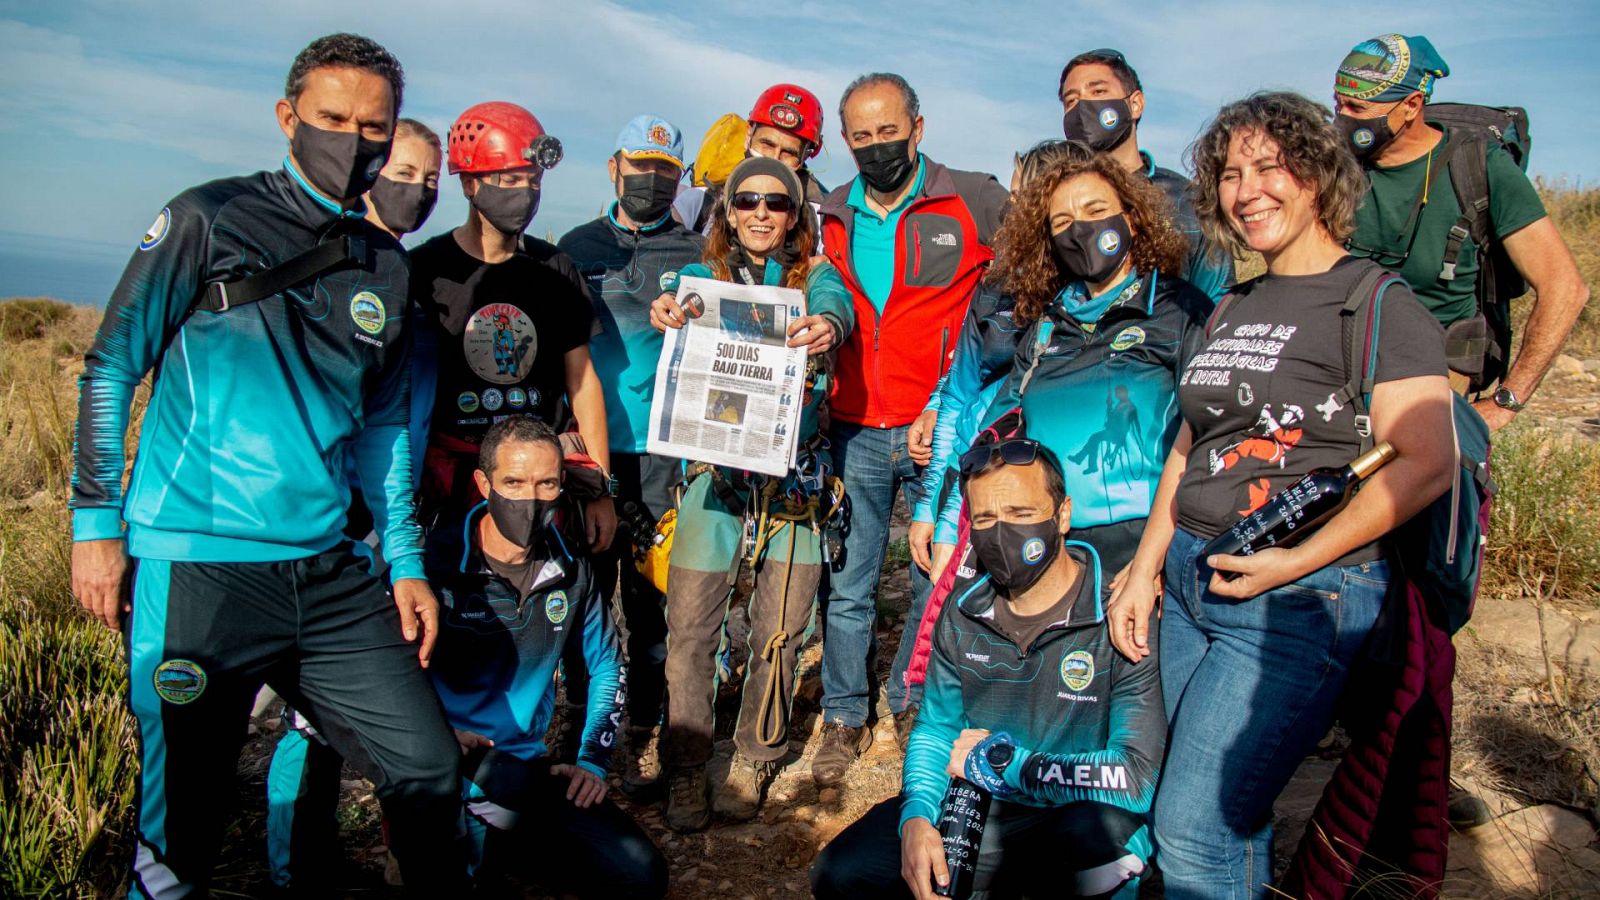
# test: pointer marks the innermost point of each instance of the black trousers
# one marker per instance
(647, 480)
(324, 633)
(525, 825)
(1083, 849)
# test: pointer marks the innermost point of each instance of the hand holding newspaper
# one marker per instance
(728, 389)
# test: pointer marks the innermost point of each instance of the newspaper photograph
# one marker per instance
(728, 391)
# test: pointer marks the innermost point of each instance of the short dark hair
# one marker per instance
(516, 429)
(907, 95)
(1055, 483)
(1112, 58)
(345, 51)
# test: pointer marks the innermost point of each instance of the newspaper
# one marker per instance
(728, 391)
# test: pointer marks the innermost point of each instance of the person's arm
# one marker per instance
(830, 316)
(1123, 774)
(1545, 261)
(1413, 415)
(994, 202)
(589, 408)
(940, 718)
(148, 305)
(608, 684)
(1134, 598)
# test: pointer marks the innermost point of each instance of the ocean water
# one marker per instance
(78, 272)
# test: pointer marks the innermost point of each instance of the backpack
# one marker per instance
(1480, 347)
(1440, 549)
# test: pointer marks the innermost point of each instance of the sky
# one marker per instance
(108, 109)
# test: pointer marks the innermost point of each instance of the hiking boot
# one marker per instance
(1464, 810)
(641, 765)
(904, 721)
(688, 799)
(739, 798)
(841, 744)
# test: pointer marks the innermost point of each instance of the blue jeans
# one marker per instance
(1250, 688)
(874, 464)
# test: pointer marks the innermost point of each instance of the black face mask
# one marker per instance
(1366, 136)
(342, 165)
(509, 210)
(403, 205)
(646, 197)
(1092, 251)
(521, 522)
(1102, 124)
(886, 166)
(1016, 556)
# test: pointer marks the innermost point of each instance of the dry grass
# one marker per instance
(1545, 533)
(1576, 212)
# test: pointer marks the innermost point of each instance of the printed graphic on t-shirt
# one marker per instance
(500, 343)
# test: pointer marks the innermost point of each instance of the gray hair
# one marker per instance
(907, 95)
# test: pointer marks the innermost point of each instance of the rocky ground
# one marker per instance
(1540, 843)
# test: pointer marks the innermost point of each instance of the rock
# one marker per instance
(1567, 365)
(725, 887)
(1528, 851)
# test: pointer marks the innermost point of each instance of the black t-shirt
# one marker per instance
(504, 331)
(1259, 393)
(1024, 630)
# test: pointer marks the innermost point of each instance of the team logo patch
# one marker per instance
(1033, 551)
(1077, 669)
(1108, 118)
(667, 280)
(467, 401)
(1108, 242)
(1361, 137)
(660, 136)
(516, 398)
(556, 607)
(179, 681)
(157, 230)
(1131, 336)
(368, 312)
(500, 343)
(493, 399)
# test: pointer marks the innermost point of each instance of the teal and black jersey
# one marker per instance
(1087, 723)
(499, 644)
(256, 410)
(1210, 267)
(625, 271)
(1104, 396)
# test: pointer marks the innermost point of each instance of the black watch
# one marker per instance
(999, 756)
(1505, 399)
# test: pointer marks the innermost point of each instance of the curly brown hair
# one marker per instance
(1309, 146)
(1025, 264)
(797, 244)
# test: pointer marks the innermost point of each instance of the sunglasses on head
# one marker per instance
(747, 201)
(1013, 452)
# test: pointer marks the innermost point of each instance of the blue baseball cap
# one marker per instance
(651, 137)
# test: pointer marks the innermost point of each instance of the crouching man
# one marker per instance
(517, 585)
(1026, 698)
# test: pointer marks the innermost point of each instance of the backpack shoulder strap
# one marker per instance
(1361, 311)
(1466, 159)
(221, 296)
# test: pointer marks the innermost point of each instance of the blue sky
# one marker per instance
(107, 109)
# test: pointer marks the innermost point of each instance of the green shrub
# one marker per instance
(1546, 521)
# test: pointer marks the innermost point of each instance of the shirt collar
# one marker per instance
(858, 191)
(1149, 163)
(611, 214)
(472, 562)
(359, 211)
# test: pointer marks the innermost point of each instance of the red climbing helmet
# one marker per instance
(495, 136)
(793, 109)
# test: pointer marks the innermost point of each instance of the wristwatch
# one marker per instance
(999, 756)
(1505, 399)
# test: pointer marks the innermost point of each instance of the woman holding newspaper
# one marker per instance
(761, 236)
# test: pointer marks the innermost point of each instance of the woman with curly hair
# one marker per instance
(1255, 649)
(762, 233)
(1089, 256)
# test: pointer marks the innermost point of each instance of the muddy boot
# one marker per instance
(641, 765)
(840, 746)
(1465, 810)
(688, 799)
(739, 798)
(904, 721)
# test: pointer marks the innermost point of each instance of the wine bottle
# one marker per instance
(961, 822)
(1297, 510)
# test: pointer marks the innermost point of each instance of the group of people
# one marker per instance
(401, 488)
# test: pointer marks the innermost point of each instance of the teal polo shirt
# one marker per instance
(873, 239)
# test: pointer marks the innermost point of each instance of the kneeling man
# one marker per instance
(1027, 699)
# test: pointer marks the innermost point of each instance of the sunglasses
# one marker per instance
(747, 201)
(1013, 452)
